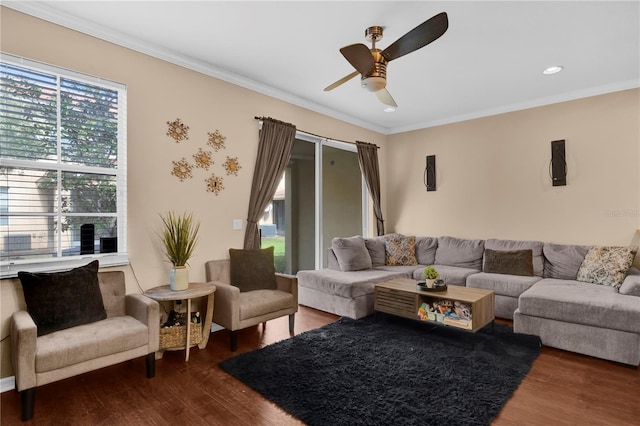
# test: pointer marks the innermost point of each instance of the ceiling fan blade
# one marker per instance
(342, 80)
(385, 97)
(430, 30)
(359, 56)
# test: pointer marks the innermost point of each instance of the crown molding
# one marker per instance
(548, 100)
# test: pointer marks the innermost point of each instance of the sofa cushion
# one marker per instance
(400, 250)
(562, 261)
(352, 254)
(503, 285)
(406, 271)
(426, 250)
(375, 246)
(631, 284)
(89, 341)
(581, 303)
(451, 275)
(252, 269)
(261, 302)
(459, 252)
(509, 262)
(344, 284)
(535, 246)
(607, 265)
(48, 297)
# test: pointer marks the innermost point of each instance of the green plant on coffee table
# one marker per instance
(180, 236)
(430, 273)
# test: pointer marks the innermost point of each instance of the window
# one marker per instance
(4, 205)
(62, 168)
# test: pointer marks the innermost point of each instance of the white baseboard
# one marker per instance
(7, 384)
(216, 327)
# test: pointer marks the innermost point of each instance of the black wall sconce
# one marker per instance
(558, 164)
(430, 173)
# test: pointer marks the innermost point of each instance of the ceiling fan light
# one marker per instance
(389, 109)
(373, 84)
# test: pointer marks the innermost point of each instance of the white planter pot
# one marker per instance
(179, 278)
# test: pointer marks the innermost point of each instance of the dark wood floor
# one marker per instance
(562, 389)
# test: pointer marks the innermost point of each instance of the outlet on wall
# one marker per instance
(237, 223)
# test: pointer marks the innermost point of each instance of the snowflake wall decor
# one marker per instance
(203, 159)
(214, 184)
(232, 166)
(178, 130)
(182, 169)
(216, 140)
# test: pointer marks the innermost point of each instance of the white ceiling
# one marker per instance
(489, 61)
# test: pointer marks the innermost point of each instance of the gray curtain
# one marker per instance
(368, 159)
(274, 152)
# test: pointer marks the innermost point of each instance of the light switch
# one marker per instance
(237, 223)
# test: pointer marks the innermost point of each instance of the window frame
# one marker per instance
(120, 257)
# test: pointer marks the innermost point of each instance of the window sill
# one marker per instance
(11, 269)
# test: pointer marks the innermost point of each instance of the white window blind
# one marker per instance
(62, 168)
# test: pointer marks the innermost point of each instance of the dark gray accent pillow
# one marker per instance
(61, 300)
(352, 253)
(253, 269)
(509, 262)
(460, 252)
(562, 261)
(535, 246)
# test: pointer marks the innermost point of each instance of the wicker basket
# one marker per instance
(176, 336)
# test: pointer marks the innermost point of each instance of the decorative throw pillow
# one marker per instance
(510, 262)
(352, 253)
(607, 265)
(253, 269)
(62, 300)
(400, 250)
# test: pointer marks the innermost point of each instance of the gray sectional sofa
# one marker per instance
(545, 295)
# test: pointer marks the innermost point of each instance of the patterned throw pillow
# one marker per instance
(400, 250)
(607, 265)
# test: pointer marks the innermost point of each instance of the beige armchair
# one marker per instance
(235, 310)
(130, 330)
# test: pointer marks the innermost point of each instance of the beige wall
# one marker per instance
(158, 92)
(492, 172)
(493, 180)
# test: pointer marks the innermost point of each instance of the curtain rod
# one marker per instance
(319, 136)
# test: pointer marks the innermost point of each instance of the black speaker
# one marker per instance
(430, 173)
(558, 165)
(108, 244)
(87, 232)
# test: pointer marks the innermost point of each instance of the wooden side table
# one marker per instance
(164, 293)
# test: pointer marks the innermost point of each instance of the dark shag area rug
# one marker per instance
(390, 371)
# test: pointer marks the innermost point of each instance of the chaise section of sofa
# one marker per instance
(588, 318)
(347, 293)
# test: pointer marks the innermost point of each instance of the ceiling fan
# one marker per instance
(371, 64)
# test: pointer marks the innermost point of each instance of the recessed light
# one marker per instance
(389, 109)
(553, 70)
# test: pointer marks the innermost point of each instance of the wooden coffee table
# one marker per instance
(401, 297)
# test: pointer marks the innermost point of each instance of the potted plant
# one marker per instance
(430, 275)
(179, 236)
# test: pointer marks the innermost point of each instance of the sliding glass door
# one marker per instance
(320, 197)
